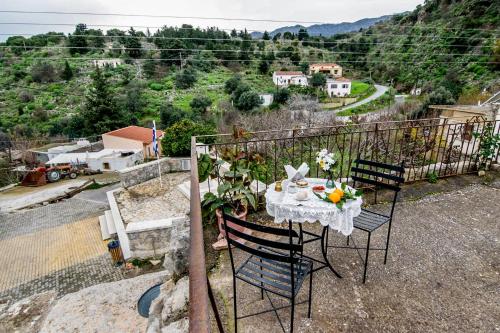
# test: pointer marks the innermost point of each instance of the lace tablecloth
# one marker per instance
(283, 206)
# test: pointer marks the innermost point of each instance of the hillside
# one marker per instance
(327, 30)
(450, 45)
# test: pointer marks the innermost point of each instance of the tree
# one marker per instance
(101, 112)
(248, 100)
(288, 35)
(95, 38)
(240, 89)
(266, 36)
(77, 41)
(200, 105)
(176, 139)
(276, 37)
(304, 67)
(134, 101)
(185, 79)
(149, 67)
(67, 72)
(303, 34)
(233, 83)
(263, 67)
(133, 44)
(318, 80)
(281, 96)
(169, 115)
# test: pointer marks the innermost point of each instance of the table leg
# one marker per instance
(324, 251)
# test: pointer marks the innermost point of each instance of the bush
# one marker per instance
(169, 115)
(155, 86)
(248, 101)
(26, 97)
(200, 105)
(177, 138)
(43, 72)
(281, 96)
(185, 79)
(232, 84)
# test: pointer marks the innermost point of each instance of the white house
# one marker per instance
(284, 79)
(104, 160)
(339, 87)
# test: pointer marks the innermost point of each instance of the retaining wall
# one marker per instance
(144, 172)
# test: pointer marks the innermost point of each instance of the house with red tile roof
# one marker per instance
(133, 137)
(330, 69)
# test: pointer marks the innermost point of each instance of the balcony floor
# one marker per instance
(442, 274)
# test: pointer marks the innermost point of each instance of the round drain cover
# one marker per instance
(146, 299)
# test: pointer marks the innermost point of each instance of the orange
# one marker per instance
(339, 192)
(334, 197)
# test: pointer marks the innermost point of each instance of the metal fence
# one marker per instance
(429, 148)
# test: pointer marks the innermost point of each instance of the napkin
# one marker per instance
(300, 173)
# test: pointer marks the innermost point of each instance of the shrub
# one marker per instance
(200, 105)
(155, 86)
(232, 84)
(281, 96)
(248, 101)
(177, 138)
(43, 72)
(26, 97)
(169, 115)
(185, 79)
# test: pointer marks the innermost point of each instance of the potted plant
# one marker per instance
(234, 194)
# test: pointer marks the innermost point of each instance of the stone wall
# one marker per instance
(144, 172)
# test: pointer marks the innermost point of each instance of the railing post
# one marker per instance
(199, 321)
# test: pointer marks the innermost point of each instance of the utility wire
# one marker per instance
(197, 18)
(366, 33)
(311, 43)
(252, 60)
(262, 52)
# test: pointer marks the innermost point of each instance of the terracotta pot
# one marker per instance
(220, 223)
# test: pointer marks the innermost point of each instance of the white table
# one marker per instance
(284, 207)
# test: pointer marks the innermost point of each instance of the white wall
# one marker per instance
(338, 88)
(286, 80)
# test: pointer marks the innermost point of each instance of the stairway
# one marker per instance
(107, 224)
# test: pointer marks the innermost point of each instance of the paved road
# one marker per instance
(380, 90)
(54, 247)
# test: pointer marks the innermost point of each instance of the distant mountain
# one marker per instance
(328, 29)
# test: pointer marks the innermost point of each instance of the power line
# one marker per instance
(196, 18)
(366, 33)
(222, 50)
(252, 60)
(229, 39)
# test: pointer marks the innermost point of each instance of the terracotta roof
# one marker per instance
(325, 65)
(143, 134)
(288, 73)
(339, 79)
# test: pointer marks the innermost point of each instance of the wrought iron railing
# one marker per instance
(430, 148)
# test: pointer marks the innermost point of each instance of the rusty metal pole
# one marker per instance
(199, 321)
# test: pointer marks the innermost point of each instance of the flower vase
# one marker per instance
(330, 183)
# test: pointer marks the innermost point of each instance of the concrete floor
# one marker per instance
(442, 274)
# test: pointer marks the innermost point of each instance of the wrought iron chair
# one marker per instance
(379, 175)
(276, 267)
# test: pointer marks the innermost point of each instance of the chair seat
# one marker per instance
(369, 221)
(274, 276)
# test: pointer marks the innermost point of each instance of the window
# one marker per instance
(105, 166)
(334, 86)
(336, 71)
(345, 86)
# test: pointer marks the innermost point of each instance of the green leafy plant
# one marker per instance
(432, 177)
(177, 138)
(339, 196)
(489, 143)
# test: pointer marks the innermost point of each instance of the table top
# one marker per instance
(284, 206)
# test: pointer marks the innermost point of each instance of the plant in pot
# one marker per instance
(234, 194)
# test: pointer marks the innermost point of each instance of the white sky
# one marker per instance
(331, 11)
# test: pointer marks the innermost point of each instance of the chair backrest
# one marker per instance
(281, 251)
(380, 175)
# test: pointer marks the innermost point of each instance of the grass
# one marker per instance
(375, 105)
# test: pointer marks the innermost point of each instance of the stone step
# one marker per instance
(110, 222)
(104, 228)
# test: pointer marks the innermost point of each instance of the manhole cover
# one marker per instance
(146, 299)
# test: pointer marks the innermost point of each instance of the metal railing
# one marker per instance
(430, 148)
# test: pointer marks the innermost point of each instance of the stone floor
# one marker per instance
(54, 247)
(442, 274)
